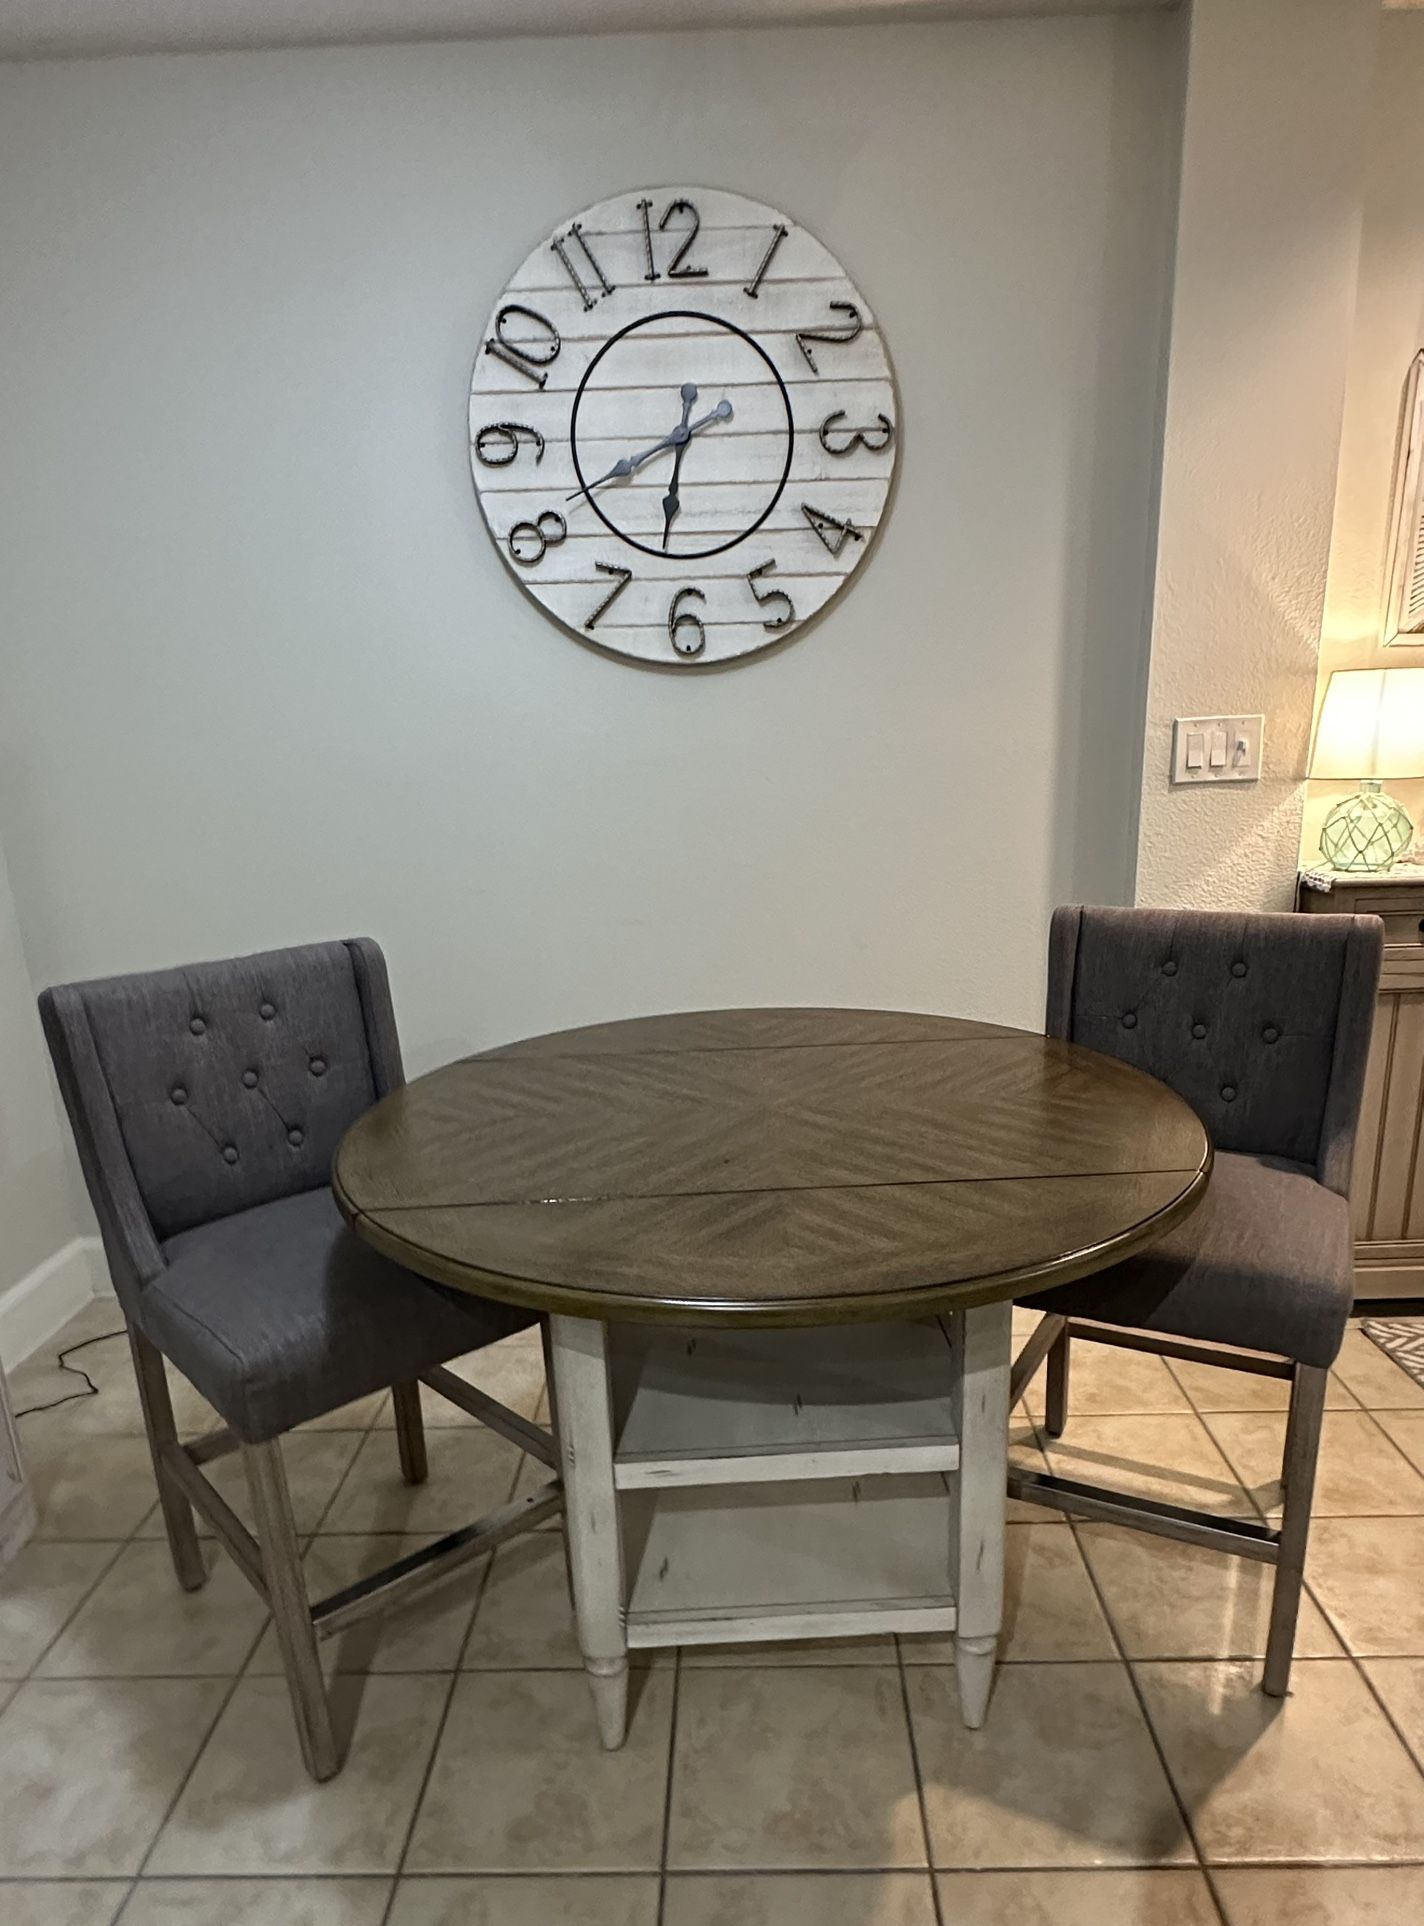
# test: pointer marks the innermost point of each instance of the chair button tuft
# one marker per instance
(267, 1011)
(1169, 968)
(317, 1066)
(1129, 1019)
(1198, 1029)
(229, 1153)
(296, 1136)
(1271, 1034)
(197, 1026)
(179, 1095)
(249, 1079)
(1228, 1093)
(1238, 968)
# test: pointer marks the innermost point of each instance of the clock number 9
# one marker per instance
(524, 534)
(681, 621)
(769, 596)
(498, 444)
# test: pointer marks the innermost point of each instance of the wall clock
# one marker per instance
(683, 425)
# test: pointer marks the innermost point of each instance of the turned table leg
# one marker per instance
(982, 1351)
(579, 1348)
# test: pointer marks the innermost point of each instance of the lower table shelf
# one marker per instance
(833, 1558)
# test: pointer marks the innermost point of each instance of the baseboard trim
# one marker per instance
(32, 1310)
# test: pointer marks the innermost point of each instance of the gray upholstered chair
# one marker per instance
(207, 1104)
(1262, 1022)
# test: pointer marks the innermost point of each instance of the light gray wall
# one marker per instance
(265, 678)
(1273, 153)
(37, 1208)
(1388, 333)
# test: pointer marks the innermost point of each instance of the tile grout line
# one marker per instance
(919, 1783)
(1136, 1689)
(667, 1790)
(456, 1673)
(1354, 1658)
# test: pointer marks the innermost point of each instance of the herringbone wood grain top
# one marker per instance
(772, 1166)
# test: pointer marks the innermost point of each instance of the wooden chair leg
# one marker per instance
(291, 1610)
(1056, 1391)
(156, 1402)
(410, 1433)
(1307, 1406)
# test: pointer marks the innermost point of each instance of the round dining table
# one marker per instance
(776, 1252)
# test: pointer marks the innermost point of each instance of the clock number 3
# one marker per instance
(547, 529)
(855, 437)
(685, 630)
(767, 596)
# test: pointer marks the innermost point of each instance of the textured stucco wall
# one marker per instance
(1388, 333)
(1267, 250)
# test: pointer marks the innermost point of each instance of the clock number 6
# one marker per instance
(525, 534)
(680, 619)
(767, 597)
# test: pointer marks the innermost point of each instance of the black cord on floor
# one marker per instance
(91, 1390)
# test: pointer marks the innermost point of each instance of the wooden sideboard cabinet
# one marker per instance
(1387, 1195)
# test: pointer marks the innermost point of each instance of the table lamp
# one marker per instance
(1371, 727)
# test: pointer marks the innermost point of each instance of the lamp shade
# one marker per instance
(1371, 725)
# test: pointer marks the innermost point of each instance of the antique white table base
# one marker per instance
(837, 1482)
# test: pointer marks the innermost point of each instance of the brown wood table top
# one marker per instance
(771, 1167)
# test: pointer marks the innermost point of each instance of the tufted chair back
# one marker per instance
(201, 1091)
(1262, 1022)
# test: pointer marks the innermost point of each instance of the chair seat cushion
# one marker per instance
(1264, 1262)
(281, 1313)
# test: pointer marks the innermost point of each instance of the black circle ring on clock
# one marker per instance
(716, 321)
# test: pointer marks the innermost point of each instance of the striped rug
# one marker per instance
(1403, 1339)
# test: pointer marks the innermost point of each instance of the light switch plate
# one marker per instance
(1217, 748)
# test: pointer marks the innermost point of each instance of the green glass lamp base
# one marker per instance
(1368, 831)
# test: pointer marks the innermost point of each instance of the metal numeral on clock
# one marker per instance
(768, 596)
(857, 437)
(850, 330)
(645, 209)
(504, 438)
(576, 237)
(524, 534)
(680, 618)
(833, 534)
(625, 576)
(778, 235)
(676, 271)
(524, 358)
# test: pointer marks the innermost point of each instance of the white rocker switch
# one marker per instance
(1217, 748)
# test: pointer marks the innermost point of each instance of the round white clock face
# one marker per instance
(683, 425)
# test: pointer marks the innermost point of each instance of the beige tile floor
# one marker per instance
(1130, 1774)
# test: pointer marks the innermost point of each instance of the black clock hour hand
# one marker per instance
(671, 502)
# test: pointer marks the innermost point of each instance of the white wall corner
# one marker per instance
(1269, 214)
(43, 1301)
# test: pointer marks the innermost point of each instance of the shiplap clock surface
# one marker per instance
(683, 425)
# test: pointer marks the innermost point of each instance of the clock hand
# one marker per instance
(671, 501)
(679, 438)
